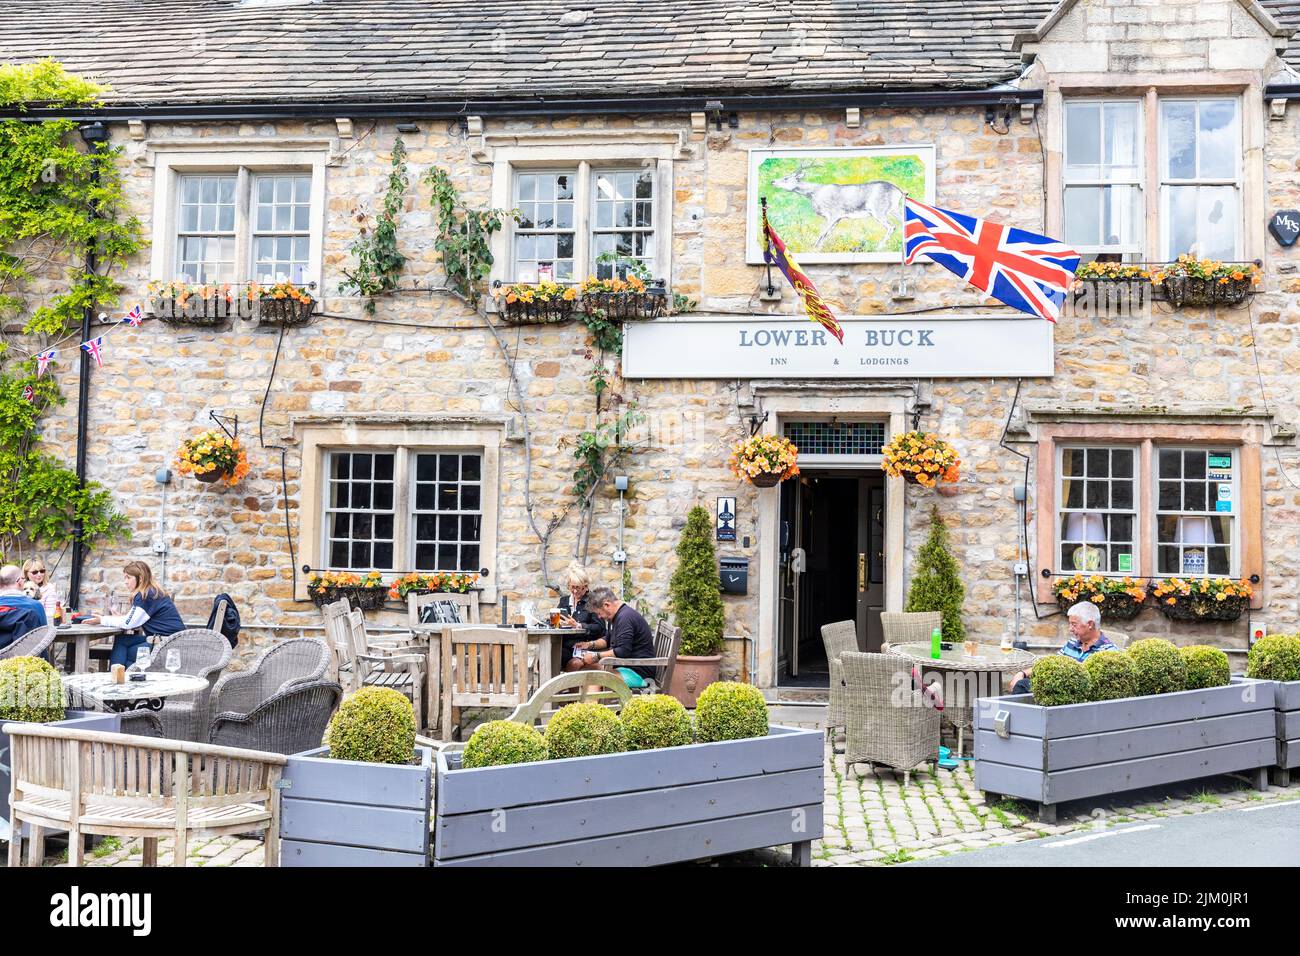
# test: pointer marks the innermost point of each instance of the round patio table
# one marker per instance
(147, 694)
(991, 659)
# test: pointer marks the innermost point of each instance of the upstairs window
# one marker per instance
(1200, 178)
(1103, 178)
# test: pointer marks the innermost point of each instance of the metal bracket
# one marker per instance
(222, 420)
(755, 423)
(1002, 724)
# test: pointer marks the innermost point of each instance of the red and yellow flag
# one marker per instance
(775, 252)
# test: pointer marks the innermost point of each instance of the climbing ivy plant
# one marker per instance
(57, 203)
(464, 236)
(379, 262)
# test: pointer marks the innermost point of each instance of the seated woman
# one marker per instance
(36, 573)
(578, 612)
(152, 612)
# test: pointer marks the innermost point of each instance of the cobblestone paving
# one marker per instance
(871, 819)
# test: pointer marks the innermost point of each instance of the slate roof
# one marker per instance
(163, 52)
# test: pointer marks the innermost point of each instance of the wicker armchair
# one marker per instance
(289, 722)
(1118, 638)
(277, 668)
(838, 637)
(878, 729)
(203, 653)
(909, 628)
(32, 644)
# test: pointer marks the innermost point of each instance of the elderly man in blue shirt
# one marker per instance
(1085, 640)
(18, 613)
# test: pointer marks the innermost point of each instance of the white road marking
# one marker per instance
(1270, 806)
(1106, 833)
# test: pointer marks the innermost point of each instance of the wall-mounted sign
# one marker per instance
(837, 205)
(726, 519)
(947, 347)
(1285, 226)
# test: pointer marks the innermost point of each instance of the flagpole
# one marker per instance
(771, 289)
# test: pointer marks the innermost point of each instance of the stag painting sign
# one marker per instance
(837, 205)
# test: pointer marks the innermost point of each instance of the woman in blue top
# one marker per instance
(162, 616)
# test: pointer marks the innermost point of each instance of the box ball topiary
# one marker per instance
(1206, 666)
(374, 725)
(656, 720)
(1113, 675)
(30, 690)
(729, 710)
(1276, 657)
(1059, 680)
(584, 730)
(1160, 668)
(501, 742)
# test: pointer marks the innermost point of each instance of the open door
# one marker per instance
(871, 560)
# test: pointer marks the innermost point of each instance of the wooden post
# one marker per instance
(76, 846)
(272, 834)
(181, 791)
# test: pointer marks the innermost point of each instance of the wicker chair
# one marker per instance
(280, 666)
(203, 653)
(288, 722)
(838, 637)
(1118, 638)
(878, 730)
(32, 644)
(909, 628)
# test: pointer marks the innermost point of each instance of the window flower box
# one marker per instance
(1118, 599)
(1075, 751)
(363, 593)
(1202, 599)
(1199, 282)
(436, 582)
(282, 304)
(182, 304)
(543, 302)
(640, 808)
(626, 300)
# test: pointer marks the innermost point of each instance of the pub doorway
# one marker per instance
(832, 566)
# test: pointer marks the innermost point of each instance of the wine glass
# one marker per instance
(142, 658)
(173, 664)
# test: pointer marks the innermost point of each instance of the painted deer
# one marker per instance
(878, 200)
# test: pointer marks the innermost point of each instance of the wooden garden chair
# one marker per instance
(90, 782)
(482, 667)
(467, 603)
(375, 664)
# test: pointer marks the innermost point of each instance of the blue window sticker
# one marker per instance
(1223, 506)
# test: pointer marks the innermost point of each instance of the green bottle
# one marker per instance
(936, 638)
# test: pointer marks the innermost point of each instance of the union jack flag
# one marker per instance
(96, 349)
(1026, 271)
(29, 393)
(43, 360)
(135, 317)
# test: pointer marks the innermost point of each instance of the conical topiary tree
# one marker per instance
(936, 581)
(696, 599)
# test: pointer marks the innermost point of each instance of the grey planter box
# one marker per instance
(634, 809)
(1287, 715)
(347, 813)
(81, 719)
(1054, 754)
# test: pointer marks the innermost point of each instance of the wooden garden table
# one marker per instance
(80, 636)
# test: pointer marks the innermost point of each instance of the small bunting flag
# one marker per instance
(29, 393)
(43, 361)
(135, 316)
(96, 349)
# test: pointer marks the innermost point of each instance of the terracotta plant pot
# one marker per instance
(691, 675)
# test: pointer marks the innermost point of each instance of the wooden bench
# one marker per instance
(593, 687)
(91, 782)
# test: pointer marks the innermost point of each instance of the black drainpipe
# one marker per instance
(93, 134)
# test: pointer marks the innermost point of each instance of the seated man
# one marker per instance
(627, 635)
(18, 613)
(1085, 640)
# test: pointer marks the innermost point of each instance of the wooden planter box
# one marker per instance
(1287, 716)
(79, 719)
(634, 809)
(346, 813)
(1054, 754)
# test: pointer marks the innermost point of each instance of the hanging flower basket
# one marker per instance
(764, 460)
(281, 304)
(1192, 281)
(536, 303)
(1202, 599)
(179, 303)
(212, 456)
(922, 458)
(437, 582)
(1118, 599)
(627, 300)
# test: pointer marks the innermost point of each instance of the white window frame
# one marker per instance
(172, 160)
(1061, 510)
(1136, 250)
(597, 229)
(416, 513)
(1236, 182)
(1234, 516)
(319, 436)
(575, 173)
(323, 554)
(582, 151)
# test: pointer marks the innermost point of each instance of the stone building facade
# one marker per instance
(426, 375)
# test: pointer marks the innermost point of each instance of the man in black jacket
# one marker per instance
(627, 635)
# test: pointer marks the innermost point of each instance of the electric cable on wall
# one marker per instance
(284, 479)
